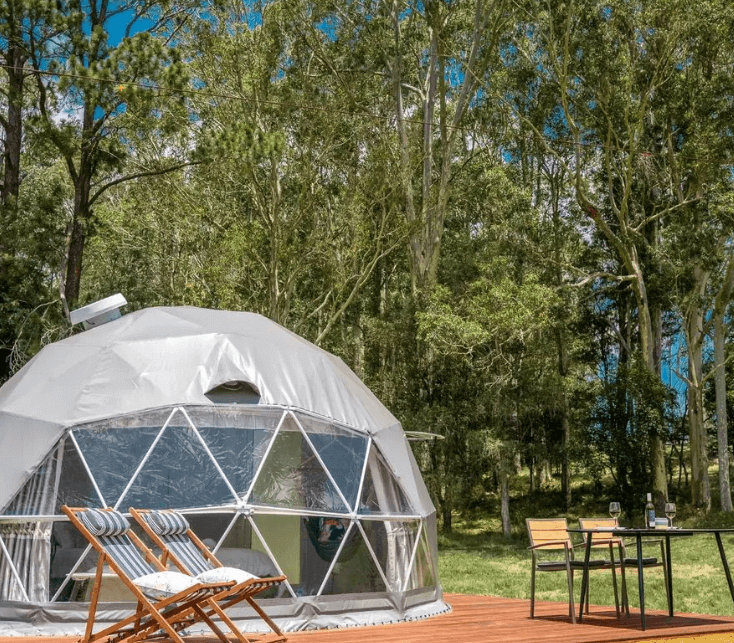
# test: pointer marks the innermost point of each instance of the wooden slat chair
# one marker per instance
(167, 602)
(625, 559)
(171, 533)
(551, 534)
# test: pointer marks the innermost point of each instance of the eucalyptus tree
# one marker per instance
(493, 314)
(695, 116)
(289, 181)
(608, 64)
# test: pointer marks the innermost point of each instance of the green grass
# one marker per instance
(476, 559)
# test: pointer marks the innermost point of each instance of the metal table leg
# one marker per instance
(669, 574)
(641, 580)
(725, 563)
(585, 575)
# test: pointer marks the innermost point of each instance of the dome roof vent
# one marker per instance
(98, 313)
(234, 392)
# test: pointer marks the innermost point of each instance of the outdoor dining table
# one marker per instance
(639, 534)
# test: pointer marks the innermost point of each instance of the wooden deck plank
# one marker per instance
(482, 619)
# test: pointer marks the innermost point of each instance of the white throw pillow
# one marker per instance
(160, 585)
(225, 575)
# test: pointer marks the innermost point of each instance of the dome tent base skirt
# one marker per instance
(307, 613)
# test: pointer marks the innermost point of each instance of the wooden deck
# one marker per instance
(479, 619)
(482, 619)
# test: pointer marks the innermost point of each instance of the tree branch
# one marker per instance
(138, 175)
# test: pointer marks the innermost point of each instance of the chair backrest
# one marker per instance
(171, 530)
(110, 529)
(553, 531)
(603, 523)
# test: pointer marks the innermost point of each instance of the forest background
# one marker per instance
(512, 219)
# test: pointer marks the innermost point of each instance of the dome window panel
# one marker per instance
(75, 487)
(292, 475)
(177, 473)
(422, 571)
(381, 492)
(237, 440)
(356, 570)
(342, 453)
(393, 542)
(38, 495)
(114, 454)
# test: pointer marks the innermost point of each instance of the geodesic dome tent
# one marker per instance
(281, 458)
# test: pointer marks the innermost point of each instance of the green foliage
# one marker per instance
(486, 229)
(631, 406)
(30, 257)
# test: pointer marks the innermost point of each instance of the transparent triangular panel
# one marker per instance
(292, 476)
(238, 452)
(114, 454)
(343, 454)
(66, 552)
(23, 574)
(423, 572)
(75, 486)
(381, 493)
(355, 570)
(38, 494)
(178, 473)
(393, 542)
(281, 537)
(321, 538)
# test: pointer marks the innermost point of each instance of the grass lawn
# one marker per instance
(475, 559)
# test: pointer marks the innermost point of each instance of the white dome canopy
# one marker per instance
(162, 356)
(159, 357)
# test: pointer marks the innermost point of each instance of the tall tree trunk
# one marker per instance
(721, 416)
(504, 476)
(78, 237)
(82, 179)
(700, 487)
(13, 125)
(720, 329)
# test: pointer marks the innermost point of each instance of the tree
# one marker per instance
(609, 65)
(25, 30)
(105, 83)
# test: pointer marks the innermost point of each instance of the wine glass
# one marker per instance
(615, 510)
(670, 512)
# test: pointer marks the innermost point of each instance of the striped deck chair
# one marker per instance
(170, 531)
(167, 601)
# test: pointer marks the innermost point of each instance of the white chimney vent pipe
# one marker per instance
(98, 313)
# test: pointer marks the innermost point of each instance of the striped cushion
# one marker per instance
(104, 523)
(167, 523)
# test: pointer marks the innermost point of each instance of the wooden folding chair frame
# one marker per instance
(245, 591)
(194, 605)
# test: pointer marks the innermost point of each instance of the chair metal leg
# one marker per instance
(569, 577)
(532, 587)
(667, 571)
(614, 578)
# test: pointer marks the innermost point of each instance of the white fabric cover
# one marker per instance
(160, 585)
(225, 575)
(159, 357)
